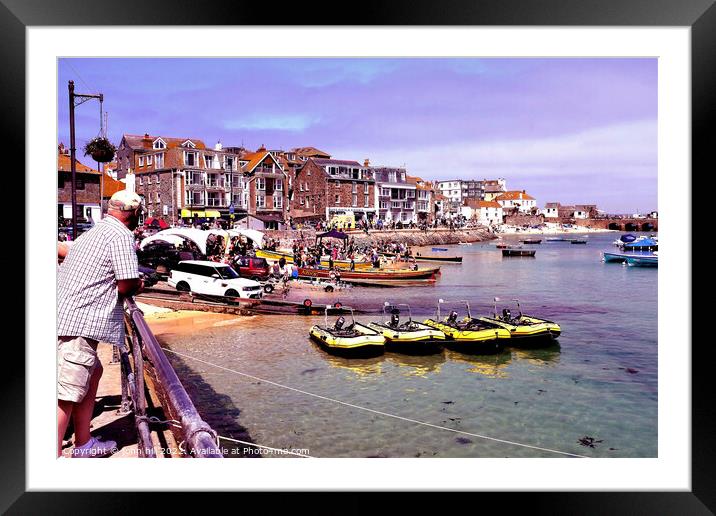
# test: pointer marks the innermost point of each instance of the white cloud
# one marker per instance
(281, 122)
(627, 148)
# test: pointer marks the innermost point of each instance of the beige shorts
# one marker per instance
(76, 361)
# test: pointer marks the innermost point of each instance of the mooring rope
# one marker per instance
(387, 414)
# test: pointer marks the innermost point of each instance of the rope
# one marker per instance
(417, 422)
(265, 447)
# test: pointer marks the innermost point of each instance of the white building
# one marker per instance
(551, 210)
(517, 199)
(484, 212)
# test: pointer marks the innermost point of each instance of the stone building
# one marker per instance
(265, 187)
(327, 187)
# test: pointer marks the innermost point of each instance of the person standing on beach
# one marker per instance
(99, 270)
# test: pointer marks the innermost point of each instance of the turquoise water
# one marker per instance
(599, 382)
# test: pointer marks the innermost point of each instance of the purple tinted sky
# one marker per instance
(568, 130)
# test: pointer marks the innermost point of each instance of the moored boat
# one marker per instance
(353, 339)
(372, 274)
(531, 241)
(578, 241)
(642, 261)
(341, 264)
(518, 252)
(469, 335)
(525, 330)
(407, 336)
(421, 258)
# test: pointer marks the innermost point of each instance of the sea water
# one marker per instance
(593, 394)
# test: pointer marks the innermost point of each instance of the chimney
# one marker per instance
(366, 163)
(218, 146)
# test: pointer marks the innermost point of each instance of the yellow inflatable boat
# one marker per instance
(469, 335)
(353, 339)
(407, 336)
(525, 330)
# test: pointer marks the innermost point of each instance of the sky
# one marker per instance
(575, 131)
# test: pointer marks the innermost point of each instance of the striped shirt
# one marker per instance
(88, 302)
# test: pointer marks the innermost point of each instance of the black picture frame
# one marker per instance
(699, 15)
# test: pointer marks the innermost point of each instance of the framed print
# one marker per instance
(417, 179)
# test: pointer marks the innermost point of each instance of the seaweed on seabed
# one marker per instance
(589, 441)
(218, 410)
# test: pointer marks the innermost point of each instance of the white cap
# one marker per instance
(124, 200)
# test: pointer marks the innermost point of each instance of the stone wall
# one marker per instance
(524, 220)
(412, 237)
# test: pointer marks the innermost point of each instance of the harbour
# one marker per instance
(598, 380)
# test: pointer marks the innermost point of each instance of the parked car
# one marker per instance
(148, 275)
(212, 278)
(256, 269)
(163, 256)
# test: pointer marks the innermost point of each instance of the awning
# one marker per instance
(190, 213)
(211, 214)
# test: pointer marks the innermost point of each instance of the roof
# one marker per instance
(145, 141)
(475, 203)
(324, 162)
(254, 158)
(310, 152)
(64, 164)
(110, 186)
(552, 205)
(515, 196)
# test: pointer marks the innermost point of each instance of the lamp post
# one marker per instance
(228, 171)
(76, 99)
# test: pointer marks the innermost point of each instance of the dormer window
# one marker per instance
(159, 144)
(209, 161)
(189, 144)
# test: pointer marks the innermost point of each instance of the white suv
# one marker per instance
(216, 279)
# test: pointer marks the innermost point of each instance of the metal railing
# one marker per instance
(200, 438)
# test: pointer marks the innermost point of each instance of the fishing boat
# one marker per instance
(438, 249)
(371, 274)
(525, 330)
(578, 241)
(407, 336)
(613, 257)
(502, 246)
(469, 335)
(353, 339)
(642, 261)
(518, 252)
(531, 241)
(421, 258)
(556, 239)
(341, 264)
(642, 244)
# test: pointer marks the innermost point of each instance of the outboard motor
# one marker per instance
(506, 315)
(452, 318)
(394, 318)
(340, 322)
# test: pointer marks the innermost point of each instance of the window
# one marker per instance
(278, 185)
(190, 159)
(141, 161)
(355, 200)
(159, 144)
(338, 199)
(365, 200)
(260, 201)
(159, 162)
(229, 162)
(300, 187)
(149, 159)
(354, 187)
(209, 161)
(308, 201)
(79, 183)
(300, 200)
(141, 180)
(277, 201)
(260, 183)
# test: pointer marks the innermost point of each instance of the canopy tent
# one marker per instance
(257, 237)
(175, 240)
(334, 233)
(627, 238)
(157, 223)
(197, 236)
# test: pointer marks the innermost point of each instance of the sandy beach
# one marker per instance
(165, 320)
(551, 229)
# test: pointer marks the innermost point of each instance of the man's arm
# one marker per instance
(129, 287)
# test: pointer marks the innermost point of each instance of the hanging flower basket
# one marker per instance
(101, 149)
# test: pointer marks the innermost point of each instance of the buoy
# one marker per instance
(338, 305)
(307, 303)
